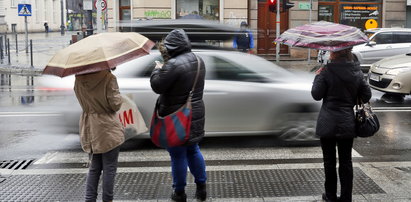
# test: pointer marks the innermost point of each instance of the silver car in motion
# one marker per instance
(244, 95)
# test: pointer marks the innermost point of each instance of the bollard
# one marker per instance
(17, 45)
(1, 48)
(31, 53)
(8, 50)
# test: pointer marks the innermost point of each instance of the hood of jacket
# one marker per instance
(91, 81)
(346, 71)
(177, 42)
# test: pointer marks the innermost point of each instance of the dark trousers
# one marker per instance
(106, 163)
(345, 169)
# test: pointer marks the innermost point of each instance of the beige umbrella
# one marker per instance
(98, 52)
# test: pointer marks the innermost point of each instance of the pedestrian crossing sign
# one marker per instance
(24, 9)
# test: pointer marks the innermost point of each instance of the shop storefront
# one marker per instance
(198, 9)
(364, 14)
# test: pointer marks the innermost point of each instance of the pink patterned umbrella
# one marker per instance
(323, 36)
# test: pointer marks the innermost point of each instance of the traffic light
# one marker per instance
(272, 5)
(287, 5)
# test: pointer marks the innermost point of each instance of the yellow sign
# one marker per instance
(371, 23)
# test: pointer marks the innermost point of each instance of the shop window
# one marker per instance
(125, 10)
(198, 9)
(326, 13)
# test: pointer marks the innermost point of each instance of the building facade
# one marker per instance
(363, 14)
(42, 11)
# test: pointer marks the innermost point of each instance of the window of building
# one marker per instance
(125, 10)
(14, 3)
(198, 9)
(363, 14)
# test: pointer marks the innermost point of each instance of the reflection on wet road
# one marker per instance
(32, 125)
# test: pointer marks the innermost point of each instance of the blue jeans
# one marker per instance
(106, 163)
(184, 156)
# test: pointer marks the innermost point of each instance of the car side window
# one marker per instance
(383, 38)
(229, 71)
(402, 37)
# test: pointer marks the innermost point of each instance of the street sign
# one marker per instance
(102, 4)
(304, 5)
(24, 9)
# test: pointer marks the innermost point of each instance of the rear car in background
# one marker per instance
(384, 42)
(392, 75)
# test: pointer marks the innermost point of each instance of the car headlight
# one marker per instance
(396, 71)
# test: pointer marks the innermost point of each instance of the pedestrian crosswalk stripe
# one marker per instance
(209, 154)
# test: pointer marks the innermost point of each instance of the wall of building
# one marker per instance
(42, 11)
(3, 25)
(231, 11)
(394, 13)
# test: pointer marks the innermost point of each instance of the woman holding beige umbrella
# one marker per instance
(97, 91)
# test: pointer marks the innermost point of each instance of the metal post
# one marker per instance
(8, 51)
(26, 33)
(311, 13)
(31, 52)
(89, 22)
(277, 22)
(17, 45)
(1, 48)
(99, 25)
(62, 17)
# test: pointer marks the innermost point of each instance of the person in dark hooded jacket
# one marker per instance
(338, 85)
(173, 81)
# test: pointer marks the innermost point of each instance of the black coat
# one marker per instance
(338, 85)
(175, 80)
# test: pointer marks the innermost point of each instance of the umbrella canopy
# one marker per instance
(323, 36)
(98, 52)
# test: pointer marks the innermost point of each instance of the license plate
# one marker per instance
(375, 77)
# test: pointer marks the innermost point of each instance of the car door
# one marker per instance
(236, 102)
(382, 48)
(401, 43)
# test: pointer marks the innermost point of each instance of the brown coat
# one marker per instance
(99, 97)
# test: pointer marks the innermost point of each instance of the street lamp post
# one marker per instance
(62, 17)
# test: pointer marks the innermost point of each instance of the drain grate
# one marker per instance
(16, 164)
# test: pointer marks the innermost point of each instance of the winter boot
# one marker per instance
(179, 196)
(201, 192)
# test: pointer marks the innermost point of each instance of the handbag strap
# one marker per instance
(196, 79)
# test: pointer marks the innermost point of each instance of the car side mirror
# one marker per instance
(371, 43)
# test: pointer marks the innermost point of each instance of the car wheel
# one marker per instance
(299, 127)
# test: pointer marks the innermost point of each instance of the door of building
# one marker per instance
(267, 29)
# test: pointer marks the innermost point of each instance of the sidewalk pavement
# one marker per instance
(45, 45)
(374, 181)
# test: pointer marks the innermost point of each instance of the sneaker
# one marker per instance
(179, 196)
(201, 192)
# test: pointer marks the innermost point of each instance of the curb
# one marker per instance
(22, 70)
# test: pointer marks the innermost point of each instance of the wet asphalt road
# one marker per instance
(30, 128)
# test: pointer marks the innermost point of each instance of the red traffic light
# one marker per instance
(272, 5)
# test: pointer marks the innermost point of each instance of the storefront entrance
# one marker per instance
(363, 14)
(267, 29)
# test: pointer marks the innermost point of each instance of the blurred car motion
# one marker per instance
(392, 75)
(244, 95)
